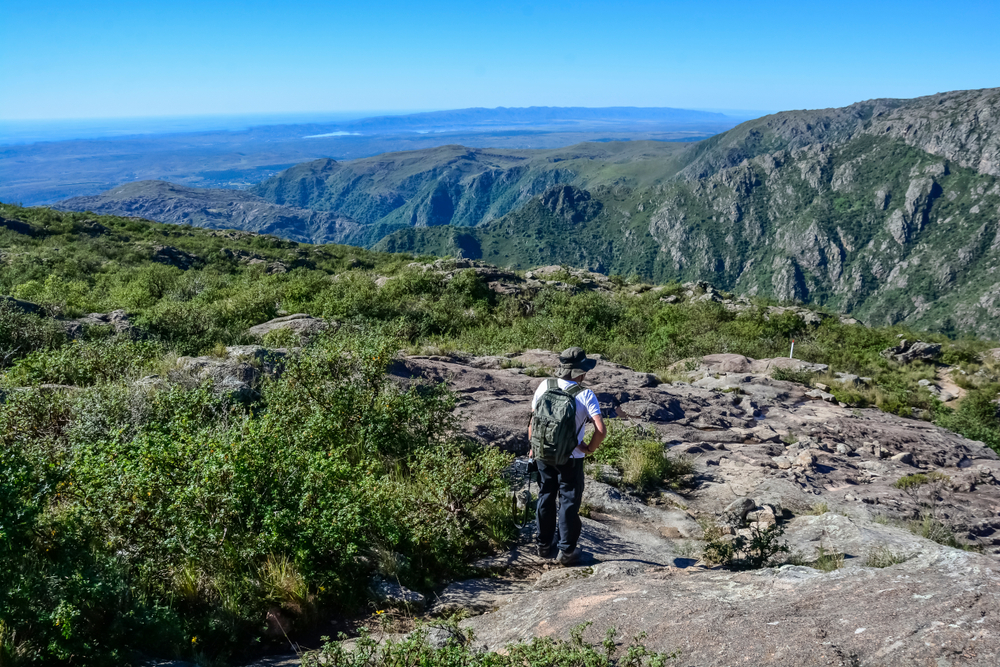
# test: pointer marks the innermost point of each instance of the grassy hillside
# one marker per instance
(152, 516)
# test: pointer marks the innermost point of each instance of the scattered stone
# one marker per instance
(821, 395)
(739, 508)
(805, 459)
(242, 256)
(904, 458)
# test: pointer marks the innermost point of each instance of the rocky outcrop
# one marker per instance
(570, 203)
(764, 455)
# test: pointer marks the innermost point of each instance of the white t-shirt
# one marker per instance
(587, 406)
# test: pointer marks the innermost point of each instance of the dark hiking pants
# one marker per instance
(566, 481)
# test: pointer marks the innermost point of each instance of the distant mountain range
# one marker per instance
(48, 171)
(534, 117)
(889, 209)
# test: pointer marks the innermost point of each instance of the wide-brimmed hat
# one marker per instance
(573, 362)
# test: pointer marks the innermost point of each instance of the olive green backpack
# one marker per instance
(553, 424)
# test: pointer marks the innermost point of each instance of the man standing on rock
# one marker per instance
(565, 478)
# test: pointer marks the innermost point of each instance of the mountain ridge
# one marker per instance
(887, 208)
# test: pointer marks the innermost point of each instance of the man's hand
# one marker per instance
(600, 432)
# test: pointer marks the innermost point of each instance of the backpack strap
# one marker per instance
(575, 391)
(551, 384)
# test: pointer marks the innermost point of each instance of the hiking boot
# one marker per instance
(545, 550)
(566, 558)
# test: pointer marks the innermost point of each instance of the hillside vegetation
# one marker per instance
(163, 516)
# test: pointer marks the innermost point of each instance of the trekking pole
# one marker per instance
(792, 351)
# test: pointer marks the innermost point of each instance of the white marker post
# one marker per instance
(792, 351)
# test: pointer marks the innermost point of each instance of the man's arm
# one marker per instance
(600, 432)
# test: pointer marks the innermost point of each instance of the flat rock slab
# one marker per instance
(944, 611)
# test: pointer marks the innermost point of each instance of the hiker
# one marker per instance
(560, 410)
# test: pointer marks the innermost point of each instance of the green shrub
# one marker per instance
(827, 561)
(84, 363)
(802, 377)
(930, 528)
(22, 333)
(919, 479)
(977, 416)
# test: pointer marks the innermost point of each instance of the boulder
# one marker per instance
(303, 326)
(19, 227)
(165, 254)
(26, 306)
(230, 376)
(737, 510)
(767, 366)
(392, 594)
(906, 352)
(726, 363)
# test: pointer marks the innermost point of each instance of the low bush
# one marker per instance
(641, 457)
(760, 548)
(930, 528)
(173, 520)
(459, 650)
(85, 363)
(881, 556)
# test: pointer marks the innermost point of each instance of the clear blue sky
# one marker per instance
(73, 59)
